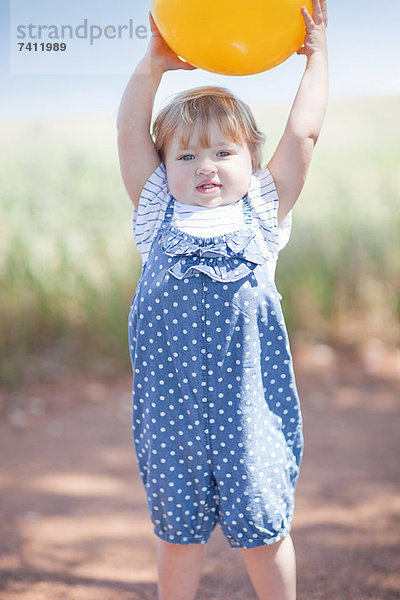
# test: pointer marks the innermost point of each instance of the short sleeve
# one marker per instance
(264, 201)
(153, 203)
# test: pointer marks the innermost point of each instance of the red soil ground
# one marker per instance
(74, 524)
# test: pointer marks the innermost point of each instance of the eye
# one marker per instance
(187, 157)
(224, 153)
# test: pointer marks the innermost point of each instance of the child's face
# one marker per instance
(208, 177)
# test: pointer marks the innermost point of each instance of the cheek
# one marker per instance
(243, 175)
(177, 183)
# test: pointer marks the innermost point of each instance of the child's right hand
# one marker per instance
(162, 54)
(137, 152)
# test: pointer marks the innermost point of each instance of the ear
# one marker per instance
(254, 161)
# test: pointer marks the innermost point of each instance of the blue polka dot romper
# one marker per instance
(216, 419)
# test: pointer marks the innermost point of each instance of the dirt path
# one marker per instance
(74, 524)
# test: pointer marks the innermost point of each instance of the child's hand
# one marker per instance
(315, 39)
(162, 53)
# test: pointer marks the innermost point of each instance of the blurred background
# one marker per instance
(68, 264)
(74, 516)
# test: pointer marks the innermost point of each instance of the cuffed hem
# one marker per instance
(180, 539)
(258, 542)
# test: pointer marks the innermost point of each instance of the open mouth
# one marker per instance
(208, 187)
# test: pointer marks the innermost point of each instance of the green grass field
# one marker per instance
(68, 264)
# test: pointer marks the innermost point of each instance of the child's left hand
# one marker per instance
(291, 160)
(315, 39)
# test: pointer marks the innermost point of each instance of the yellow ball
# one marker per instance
(232, 37)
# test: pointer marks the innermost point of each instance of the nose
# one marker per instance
(207, 167)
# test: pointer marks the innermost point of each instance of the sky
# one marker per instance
(89, 79)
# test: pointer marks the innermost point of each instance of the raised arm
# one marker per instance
(291, 160)
(137, 154)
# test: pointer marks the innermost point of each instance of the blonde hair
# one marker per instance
(201, 106)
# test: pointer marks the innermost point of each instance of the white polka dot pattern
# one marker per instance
(216, 418)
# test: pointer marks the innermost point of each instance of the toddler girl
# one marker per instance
(216, 418)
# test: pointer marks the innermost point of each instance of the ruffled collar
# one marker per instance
(227, 257)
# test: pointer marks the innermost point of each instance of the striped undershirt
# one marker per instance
(208, 222)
